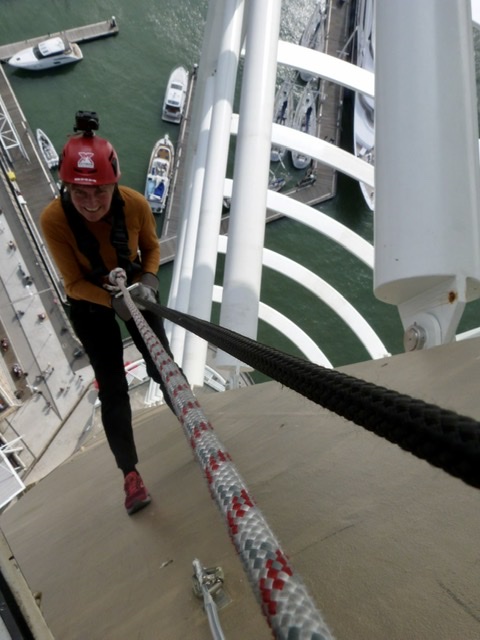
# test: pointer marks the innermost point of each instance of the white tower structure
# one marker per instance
(426, 179)
(427, 236)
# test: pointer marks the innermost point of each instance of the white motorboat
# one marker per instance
(282, 114)
(159, 174)
(364, 110)
(49, 152)
(175, 95)
(314, 34)
(49, 53)
(305, 120)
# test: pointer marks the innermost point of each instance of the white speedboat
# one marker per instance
(282, 114)
(159, 174)
(364, 110)
(305, 120)
(49, 152)
(49, 53)
(314, 34)
(175, 95)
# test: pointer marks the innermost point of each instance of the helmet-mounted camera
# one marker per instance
(87, 122)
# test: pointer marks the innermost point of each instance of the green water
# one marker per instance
(124, 78)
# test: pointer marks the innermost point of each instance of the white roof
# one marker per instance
(50, 46)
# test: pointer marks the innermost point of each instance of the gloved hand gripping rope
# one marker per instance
(145, 290)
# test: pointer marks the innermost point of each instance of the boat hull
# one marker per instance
(314, 34)
(47, 149)
(305, 120)
(364, 109)
(175, 96)
(282, 114)
(54, 52)
(160, 171)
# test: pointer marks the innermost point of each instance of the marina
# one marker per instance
(38, 187)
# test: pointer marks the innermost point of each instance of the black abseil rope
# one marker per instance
(443, 438)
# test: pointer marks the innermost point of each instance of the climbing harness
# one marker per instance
(284, 599)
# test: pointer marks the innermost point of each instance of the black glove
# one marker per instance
(146, 290)
(120, 307)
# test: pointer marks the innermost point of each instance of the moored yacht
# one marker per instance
(175, 95)
(53, 52)
(305, 120)
(159, 174)
(314, 34)
(47, 148)
(282, 114)
(364, 110)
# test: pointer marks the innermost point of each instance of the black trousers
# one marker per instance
(99, 332)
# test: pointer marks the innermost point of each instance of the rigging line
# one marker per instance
(283, 597)
(443, 438)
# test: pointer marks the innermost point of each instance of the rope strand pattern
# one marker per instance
(288, 607)
(443, 438)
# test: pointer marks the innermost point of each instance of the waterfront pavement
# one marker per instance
(52, 407)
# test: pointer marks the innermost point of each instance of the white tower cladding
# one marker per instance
(427, 238)
(243, 263)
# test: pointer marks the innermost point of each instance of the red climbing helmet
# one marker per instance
(89, 160)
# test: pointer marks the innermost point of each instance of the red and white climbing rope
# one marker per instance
(284, 599)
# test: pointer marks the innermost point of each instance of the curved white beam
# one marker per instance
(320, 150)
(326, 293)
(319, 221)
(326, 66)
(287, 328)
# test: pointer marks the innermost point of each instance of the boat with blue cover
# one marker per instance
(159, 174)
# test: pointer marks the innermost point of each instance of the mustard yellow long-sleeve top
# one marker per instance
(74, 265)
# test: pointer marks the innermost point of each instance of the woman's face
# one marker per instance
(92, 202)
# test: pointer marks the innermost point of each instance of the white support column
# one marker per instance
(243, 265)
(203, 276)
(188, 230)
(194, 158)
(427, 238)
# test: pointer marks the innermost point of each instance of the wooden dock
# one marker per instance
(168, 226)
(78, 34)
(329, 109)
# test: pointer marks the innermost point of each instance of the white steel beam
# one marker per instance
(319, 221)
(326, 293)
(327, 67)
(243, 263)
(289, 329)
(198, 275)
(320, 150)
(427, 229)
